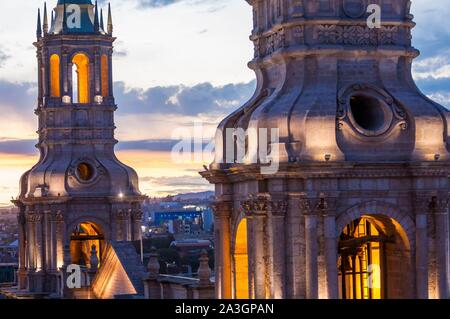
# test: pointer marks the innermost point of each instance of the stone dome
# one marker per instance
(337, 89)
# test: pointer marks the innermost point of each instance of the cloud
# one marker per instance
(183, 100)
(435, 67)
(186, 181)
(164, 3)
(23, 147)
(163, 145)
(156, 3)
(146, 119)
(3, 57)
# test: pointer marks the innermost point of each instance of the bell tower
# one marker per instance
(78, 195)
(362, 187)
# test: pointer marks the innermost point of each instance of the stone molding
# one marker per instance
(334, 32)
(311, 170)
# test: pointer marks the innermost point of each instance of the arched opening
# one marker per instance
(374, 260)
(240, 255)
(105, 76)
(80, 78)
(55, 85)
(83, 239)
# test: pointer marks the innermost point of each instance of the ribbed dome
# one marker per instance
(337, 88)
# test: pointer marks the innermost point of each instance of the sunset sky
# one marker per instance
(177, 62)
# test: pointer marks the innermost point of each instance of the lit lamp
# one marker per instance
(66, 99)
(98, 99)
(327, 157)
(120, 195)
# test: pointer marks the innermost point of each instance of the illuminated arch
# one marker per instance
(241, 262)
(82, 238)
(105, 76)
(80, 78)
(378, 235)
(55, 84)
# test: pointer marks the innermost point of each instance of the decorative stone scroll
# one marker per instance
(263, 205)
(329, 34)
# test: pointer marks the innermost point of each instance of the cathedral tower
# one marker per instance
(79, 195)
(358, 208)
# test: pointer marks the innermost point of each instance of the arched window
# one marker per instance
(82, 241)
(55, 89)
(241, 262)
(105, 76)
(80, 78)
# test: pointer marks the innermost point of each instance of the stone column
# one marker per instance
(128, 225)
(110, 75)
(39, 245)
(120, 223)
(39, 248)
(260, 271)
(311, 248)
(59, 234)
(31, 242)
(66, 73)
(44, 74)
(331, 248)
(97, 72)
(136, 219)
(441, 245)
(257, 210)
(421, 207)
(295, 249)
(277, 244)
(222, 215)
(53, 242)
(22, 249)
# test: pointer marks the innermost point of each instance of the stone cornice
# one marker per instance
(327, 21)
(51, 200)
(306, 170)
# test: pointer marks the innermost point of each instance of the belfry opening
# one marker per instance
(240, 257)
(372, 251)
(80, 78)
(86, 240)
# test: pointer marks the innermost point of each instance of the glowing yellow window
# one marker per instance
(80, 78)
(55, 89)
(241, 261)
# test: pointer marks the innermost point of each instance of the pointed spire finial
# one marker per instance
(102, 25)
(53, 18)
(39, 27)
(45, 19)
(96, 22)
(110, 22)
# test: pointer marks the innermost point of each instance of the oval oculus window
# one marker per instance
(368, 112)
(85, 172)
